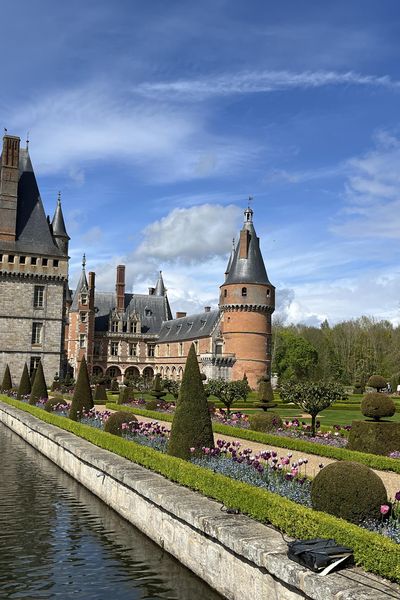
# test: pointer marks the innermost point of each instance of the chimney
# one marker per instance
(9, 174)
(244, 243)
(91, 277)
(120, 287)
(207, 308)
(180, 315)
(151, 291)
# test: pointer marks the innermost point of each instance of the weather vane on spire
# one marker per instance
(59, 196)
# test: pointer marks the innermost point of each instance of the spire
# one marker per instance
(160, 289)
(81, 288)
(60, 234)
(247, 264)
(232, 254)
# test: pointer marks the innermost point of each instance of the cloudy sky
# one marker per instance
(157, 120)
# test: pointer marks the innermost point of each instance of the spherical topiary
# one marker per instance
(348, 490)
(377, 406)
(266, 421)
(151, 404)
(115, 421)
(377, 381)
(53, 402)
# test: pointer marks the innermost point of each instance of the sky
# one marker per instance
(157, 120)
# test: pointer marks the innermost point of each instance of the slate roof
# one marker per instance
(82, 286)
(250, 269)
(33, 233)
(58, 223)
(190, 327)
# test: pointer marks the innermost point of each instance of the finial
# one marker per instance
(5, 130)
(27, 140)
(233, 243)
(250, 201)
(83, 261)
(59, 197)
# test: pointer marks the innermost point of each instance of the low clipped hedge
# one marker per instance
(372, 551)
(382, 463)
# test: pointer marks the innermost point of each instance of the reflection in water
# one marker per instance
(57, 540)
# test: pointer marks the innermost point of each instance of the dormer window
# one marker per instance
(114, 326)
(133, 327)
(84, 298)
(244, 292)
(147, 312)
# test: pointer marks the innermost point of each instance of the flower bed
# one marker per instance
(371, 551)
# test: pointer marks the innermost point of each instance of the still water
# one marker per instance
(57, 540)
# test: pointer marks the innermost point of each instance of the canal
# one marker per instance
(57, 540)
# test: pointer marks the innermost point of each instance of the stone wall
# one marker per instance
(240, 558)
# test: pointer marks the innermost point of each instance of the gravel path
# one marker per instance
(391, 480)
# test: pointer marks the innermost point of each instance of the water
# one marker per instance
(57, 540)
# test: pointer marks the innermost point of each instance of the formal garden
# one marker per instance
(174, 430)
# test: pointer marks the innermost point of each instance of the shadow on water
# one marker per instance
(57, 540)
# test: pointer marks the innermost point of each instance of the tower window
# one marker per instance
(33, 260)
(22, 260)
(45, 262)
(268, 293)
(38, 296)
(84, 298)
(11, 258)
(225, 293)
(82, 340)
(55, 263)
(83, 317)
(37, 333)
(244, 291)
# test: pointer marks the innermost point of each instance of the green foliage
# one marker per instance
(372, 551)
(382, 463)
(348, 490)
(151, 404)
(294, 357)
(100, 393)
(114, 422)
(82, 399)
(172, 387)
(114, 386)
(265, 394)
(6, 385)
(267, 421)
(54, 401)
(312, 397)
(24, 388)
(191, 425)
(157, 391)
(227, 392)
(39, 386)
(125, 394)
(377, 381)
(374, 437)
(377, 406)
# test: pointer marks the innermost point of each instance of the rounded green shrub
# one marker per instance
(374, 437)
(125, 394)
(348, 490)
(100, 393)
(377, 381)
(115, 421)
(377, 406)
(152, 404)
(266, 421)
(52, 402)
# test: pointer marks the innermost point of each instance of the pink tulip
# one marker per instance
(384, 509)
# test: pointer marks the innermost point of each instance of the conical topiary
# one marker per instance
(39, 387)
(25, 387)
(157, 391)
(100, 393)
(82, 399)
(7, 383)
(191, 426)
(265, 394)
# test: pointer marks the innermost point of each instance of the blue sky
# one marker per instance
(157, 120)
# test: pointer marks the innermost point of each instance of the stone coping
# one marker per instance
(259, 546)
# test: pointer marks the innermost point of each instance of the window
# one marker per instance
(268, 293)
(33, 260)
(150, 350)
(37, 333)
(113, 372)
(168, 350)
(45, 262)
(96, 350)
(132, 349)
(83, 317)
(11, 258)
(33, 364)
(114, 326)
(180, 349)
(55, 263)
(133, 327)
(83, 298)
(22, 260)
(114, 348)
(1, 258)
(225, 293)
(244, 291)
(38, 296)
(82, 340)
(147, 312)
(218, 348)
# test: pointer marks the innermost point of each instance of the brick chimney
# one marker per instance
(91, 283)
(9, 173)
(244, 243)
(120, 287)
(180, 315)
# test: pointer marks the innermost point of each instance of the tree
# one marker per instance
(311, 397)
(265, 394)
(7, 383)
(24, 388)
(227, 392)
(295, 357)
(157, 391)
(39, 386)
(191, 425)
(377, 381)
(172, 387)
(82, 399)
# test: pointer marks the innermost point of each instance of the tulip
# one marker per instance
(384, 509)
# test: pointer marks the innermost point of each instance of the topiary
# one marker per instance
(114, 386)
(125, 394)
(39, 387)
(348, 490)
(100, 392)
(191, 425)
(53, 402)
(6, 385)
(82, 399)
(157, 391)
(151, 405)
(267, 421)
(377, 406)
(24, 388)
(374, 437)
(265, 394)
(115, 420)
(377, 381)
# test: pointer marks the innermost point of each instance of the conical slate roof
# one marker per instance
(252, 268)
(82, 287)
(160, 289)
(58, 223)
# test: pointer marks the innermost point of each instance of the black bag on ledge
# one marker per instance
(319, 555)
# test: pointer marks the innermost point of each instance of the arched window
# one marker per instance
(268, 293)
(225, 293)
(244, 291)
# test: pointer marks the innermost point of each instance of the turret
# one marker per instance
(247, 301)
(60, 235)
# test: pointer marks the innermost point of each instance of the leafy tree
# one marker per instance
(7, 383)
(227, 392)
(24, 388)
(172, 387)
(312, 397)
(82, 399)
(294, 357)
(191, 426)
(377, 381)
(157, 391)
(39, 386)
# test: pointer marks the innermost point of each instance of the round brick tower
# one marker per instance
(247, 301)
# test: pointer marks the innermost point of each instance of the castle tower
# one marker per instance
(60, 235)
(247, 301)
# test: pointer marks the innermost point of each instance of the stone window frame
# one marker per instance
(82, 340)
(114, 348)
(133, 349)
(151, 350)
(37, 333)
(39, 296)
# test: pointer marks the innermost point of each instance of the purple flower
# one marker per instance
(397, 496)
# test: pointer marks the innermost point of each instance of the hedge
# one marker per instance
(372, 551)
(381, 463)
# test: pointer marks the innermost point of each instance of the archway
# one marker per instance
(148, 373)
